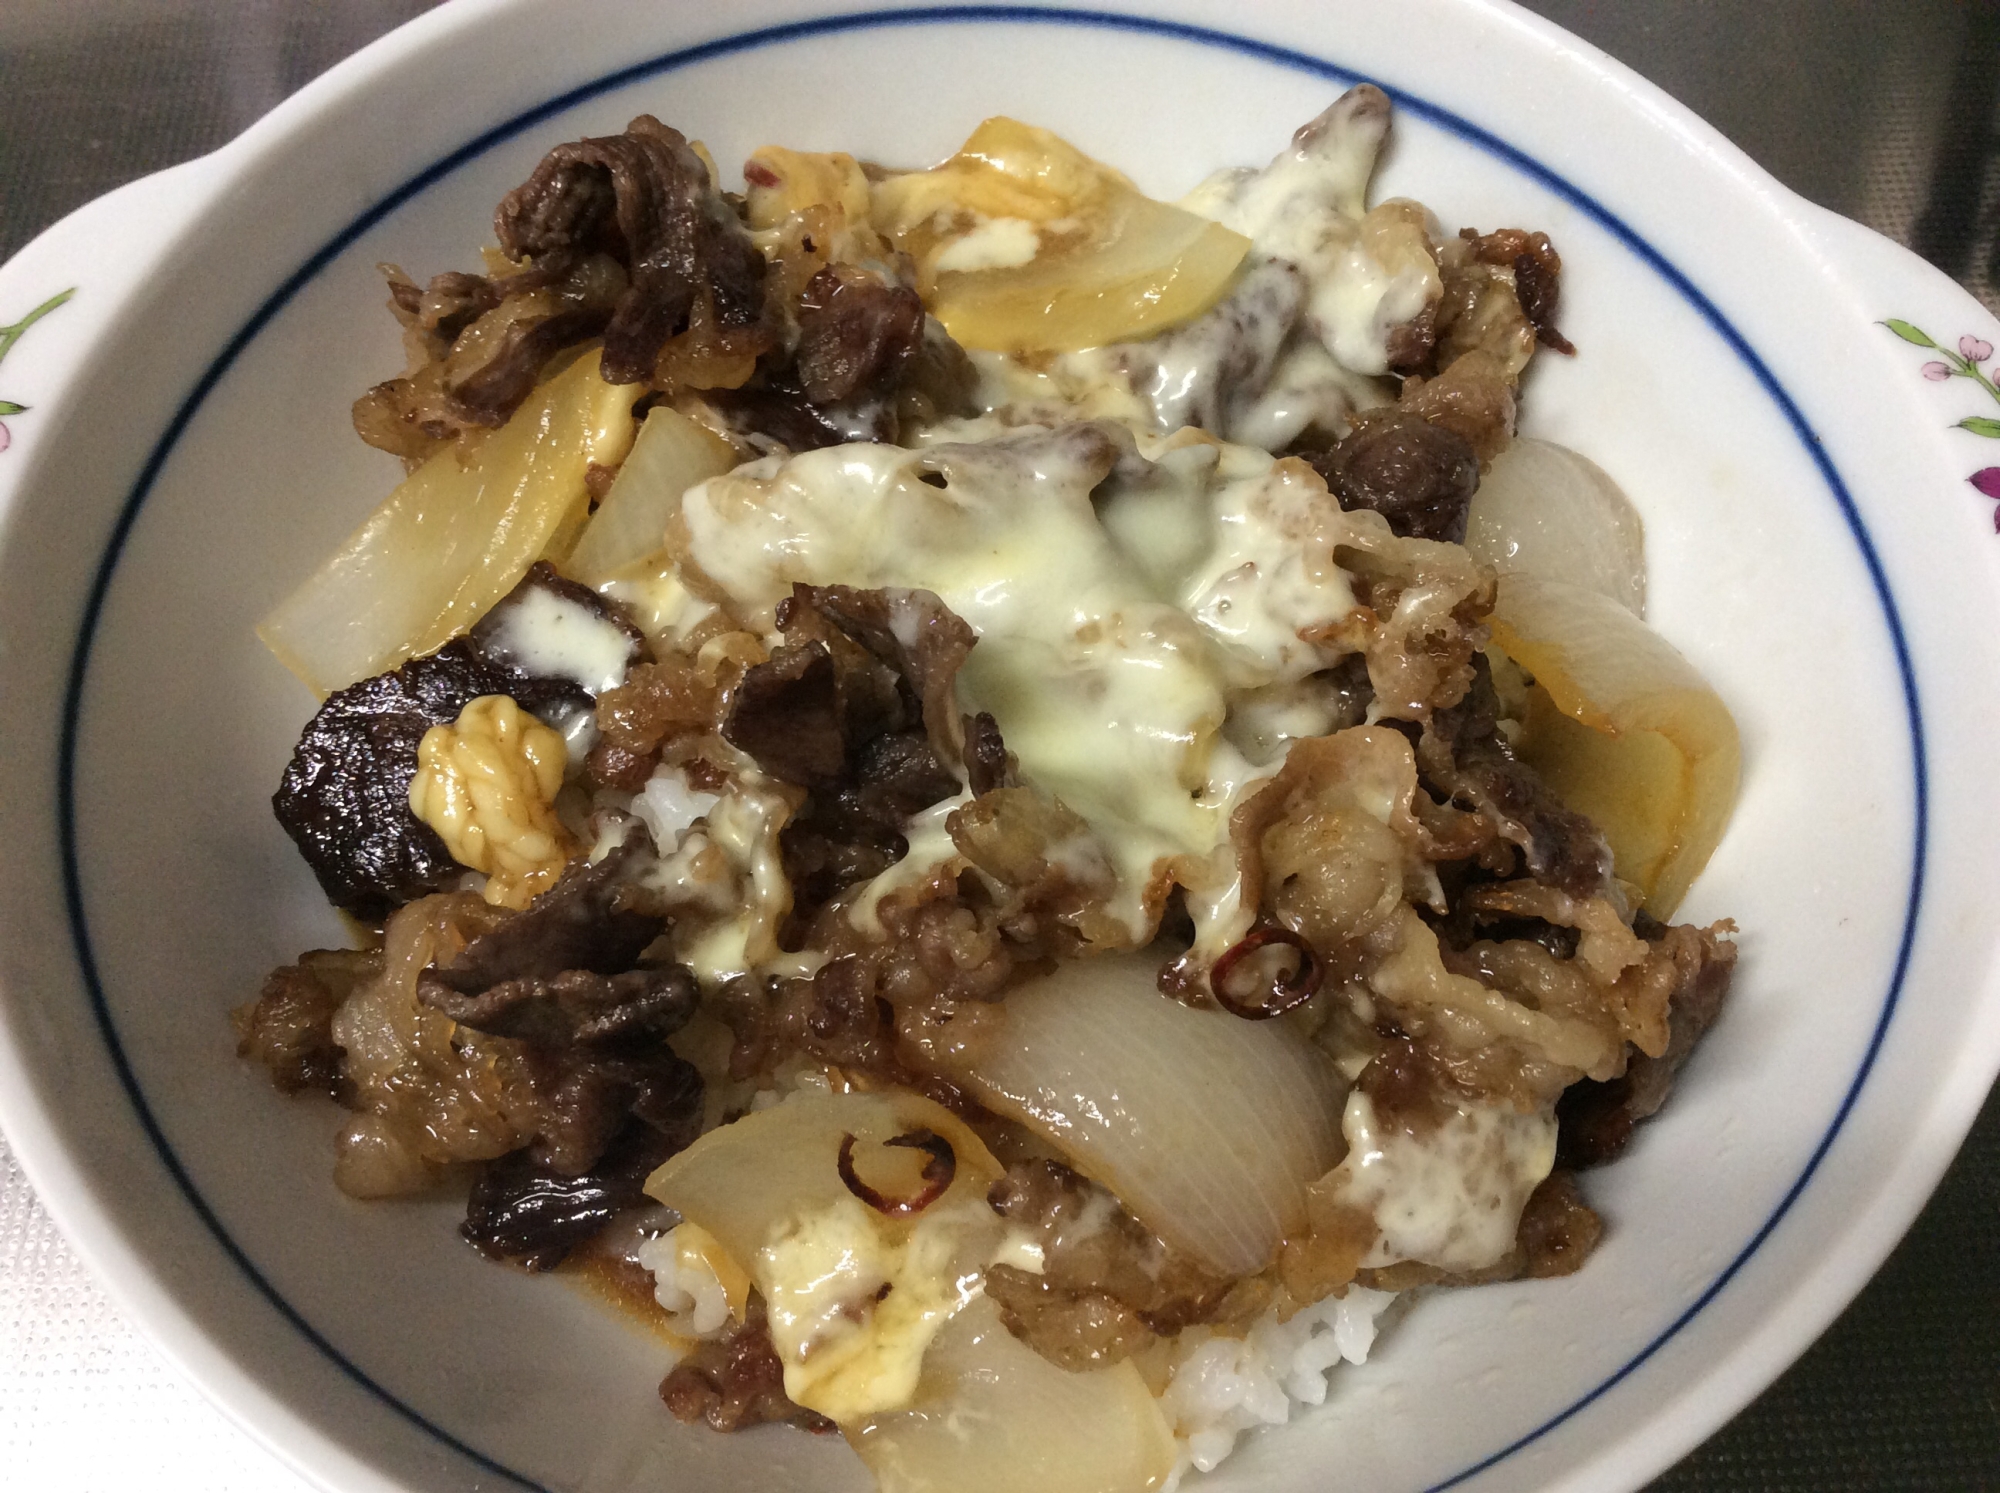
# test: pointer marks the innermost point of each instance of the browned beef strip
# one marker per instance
(487, 394)
(1595, 1120)
(588, 921)
(988, 765)
(645, 198)
(787, 713)
(843, 712)
(1418, 476)
(563, 977)
(526, 1212)
(881, 621)
(1537, 276)
(1106, 1288)
(736, 1381)
(855, 334)
(289, 1027)
(867, 360)
(595, 1090)
(575, 1008)
(1463, 757)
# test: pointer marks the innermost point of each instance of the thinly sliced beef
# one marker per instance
(855, 334)
(866, 362)
(563, 977)
(587, 921)
(860, 710)
(535, 1216)
(289, 1027)
(1463, 756)
(645, 198)
(1108, 1286)
(788, 713)
(1596, 1120)
(1418, 476)
(479, 344)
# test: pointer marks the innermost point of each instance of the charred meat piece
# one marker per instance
(988, 764)
(914, 633)
(736, 1381)
(575, 1008)
(560, 977)
(479, 345)
(289, 1027)
(787, 712)
(1596, 1120)
(1419, 476)
(645, 198)
(534, 1216)
(345, 796)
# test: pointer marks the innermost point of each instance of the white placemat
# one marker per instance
(86, 1404)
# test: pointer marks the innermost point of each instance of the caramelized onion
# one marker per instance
(937, 1173)
(1287, 992)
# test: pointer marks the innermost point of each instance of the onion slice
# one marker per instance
(1208, 1127)
(1024, 243)
(454, 537)
(991, 1415)
(1624, 730)
(671, 454)
(1545, 511)
(745, 1180)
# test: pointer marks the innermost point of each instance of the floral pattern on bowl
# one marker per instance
(1964, 363)
(10, 335)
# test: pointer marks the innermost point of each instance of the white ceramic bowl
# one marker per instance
(1815, 548)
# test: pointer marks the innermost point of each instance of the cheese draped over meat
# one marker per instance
(1125, 595)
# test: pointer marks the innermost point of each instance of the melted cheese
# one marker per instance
(1367, 273)
(1451, 1198)
(1116, 613)
(853, 1306)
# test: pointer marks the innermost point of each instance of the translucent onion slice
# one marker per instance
(991, 1415)
(1544, 510)
(743, 1180)
(454, 537)
(1624, 729)
(1024, 243)
(671, 455)
(1208, 1127)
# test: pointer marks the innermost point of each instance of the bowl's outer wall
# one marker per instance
(215, 542)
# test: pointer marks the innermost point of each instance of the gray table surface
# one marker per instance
(1885, 110)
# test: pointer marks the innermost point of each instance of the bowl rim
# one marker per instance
(1692, 1424)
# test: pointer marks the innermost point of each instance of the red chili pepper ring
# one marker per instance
(1285, 992)
(937, 1173)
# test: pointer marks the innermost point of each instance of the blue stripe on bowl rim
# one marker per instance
(949, 15)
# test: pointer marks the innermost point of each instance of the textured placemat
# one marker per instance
(1883, 111)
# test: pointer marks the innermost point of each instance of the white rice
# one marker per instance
(1223, 1386)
